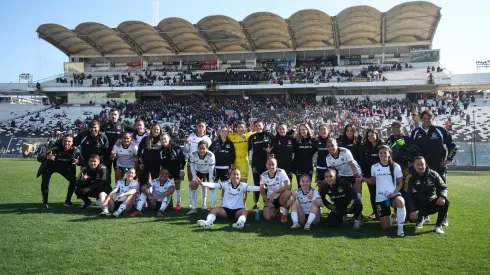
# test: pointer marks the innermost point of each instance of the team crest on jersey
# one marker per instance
(340, 189)
(419, 136)
(227, 146)
(341, 159)
(118, 127)
(255, 138)
(289, 142)
(434, 136)
(277, 179)
(206, 162)
(279, 143)
(429, 182)
(417, 183)
(244, 137)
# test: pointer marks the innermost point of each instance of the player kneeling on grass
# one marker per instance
(278, 190)
(93, 181)
(233, 198)
(305, 204)
(122, 197)
(343, 199)
(159, 194)
(388, 178)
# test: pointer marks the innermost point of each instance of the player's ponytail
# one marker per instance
(391, 163)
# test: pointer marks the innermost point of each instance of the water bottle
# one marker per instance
(257, 214)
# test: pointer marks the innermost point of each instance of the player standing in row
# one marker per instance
(173, 160)
(202, 165)
(149, 154)
(260, 144)
(224, 152)
(342, 160)
(350, 140)
(140, 131)
(233, 206)
(388, 178)
(158, 192)
(240, 140)
(125, 154)
(283, 149)
(305, 205)
(190, 147)
(322, 152)
(120, 199)
(303, 152)
(369, 157)
(278, 193)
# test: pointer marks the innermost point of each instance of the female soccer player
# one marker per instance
(224, 152)
(283, 149)
(341, 159)
(303, 152)
(233, 200)
(321, 159)
(159, 193)
(149, 154)
(388, 178)
(173, 159)
(305, 204)
(240, 141)
(202, 165)
(343, 199)
(369, 157)
(278, 190)
(140, 132)
(126, 155)
(121, 197)
(351, 140)
(190, 147)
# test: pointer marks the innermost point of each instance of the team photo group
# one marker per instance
(133, 169)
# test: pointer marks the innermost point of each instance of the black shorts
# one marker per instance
(382, 209)
(159, 204)
(125, 169)
(352, 180)
(221, 175)
(117, 204)
(202, 176)
(174, 174)
(276, 203)
(231, 213)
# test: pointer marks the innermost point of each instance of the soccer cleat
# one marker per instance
(45, 206)
(439, 230)
(177, 206)
(426, 219)
(204, 207)
(372, 216)
(87, 205)
(104, 213)
(307, 227)
(238, 225)
(68, 204)
(192, 211)
(284, 218)
(136, 213)
(420, 224)
(357, 225)
(295, 225)
(97, 202)
(203, 223)
(400, 232)
(445, 222)
(160, 214)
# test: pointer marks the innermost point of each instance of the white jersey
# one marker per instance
(194, 141)
(341, 163)
(384, 179)
(122, 187)
(306, 202)
(233, 197)
(203, 165)
(126, 157)
(275, 182)
(157, 189)
(137, 138)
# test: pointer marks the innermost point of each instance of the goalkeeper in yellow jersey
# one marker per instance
(240, 141)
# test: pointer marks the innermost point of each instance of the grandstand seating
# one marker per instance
(10, 111)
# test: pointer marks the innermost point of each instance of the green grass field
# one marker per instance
(64, 240)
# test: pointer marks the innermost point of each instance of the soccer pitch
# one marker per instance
(64, 240)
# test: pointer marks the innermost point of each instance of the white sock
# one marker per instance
(193, 199)
(164, 204)
(122, 208)
(311, 218)
(105, 209)
(179, 196)
(401, 214)
(242, 219)
(359, 195)
(284, 211)
(204, 190)
(212, 197)
(210, 219)
(141, 202)
(294, 217)
(190, 195)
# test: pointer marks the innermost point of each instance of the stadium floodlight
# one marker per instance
(483, 65)
(25, 76)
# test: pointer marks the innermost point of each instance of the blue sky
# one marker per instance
(462, 34)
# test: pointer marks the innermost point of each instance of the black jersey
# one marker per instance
(97, 176)
(354, 148)
(149, 151)
(224, 153)
(114, 130)
(341, 193)
(436, 145)
(283, 150)
(172, 158)
(257, 143)
(303, 154)
(322, 152)
(369, 157)
(98, 145)
(426, 188)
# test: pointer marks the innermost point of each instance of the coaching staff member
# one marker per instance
(62, 159)
(92, 181)
(93, 142)
(435, 143)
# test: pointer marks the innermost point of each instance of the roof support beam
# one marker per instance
(171, 43)
(207, 39)
(250, 41)
(130, 42)
(291, 34)
(90, 42)
(383, 28)
(335, 30)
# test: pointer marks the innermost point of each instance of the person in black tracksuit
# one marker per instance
(173, 159)
(62, 159)
(351, 140)
(224, 153)
(93, 142)
(303, 153)
(92, 181)
(149, 155)
(322, 152)
(369, 157)
(436, 144)
(426, 192)
(260, 144)
(343, 199)
(283, 149)
(403, 147)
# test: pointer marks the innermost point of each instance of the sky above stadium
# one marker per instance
(461, 35)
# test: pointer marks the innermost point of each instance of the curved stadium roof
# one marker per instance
(261, 31)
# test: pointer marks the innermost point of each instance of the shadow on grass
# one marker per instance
(36, 208)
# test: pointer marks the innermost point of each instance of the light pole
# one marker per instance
(474, 141)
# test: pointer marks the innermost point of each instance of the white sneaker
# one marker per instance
(104, 213)
(203, 223)
(445, 222)
(97, 202)
(357, 225)
(439, 230)
(420, 224)
(204, 207)
(295, 225)
(192, 211)
(426, 219)
(400, 232)
(238, 225)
